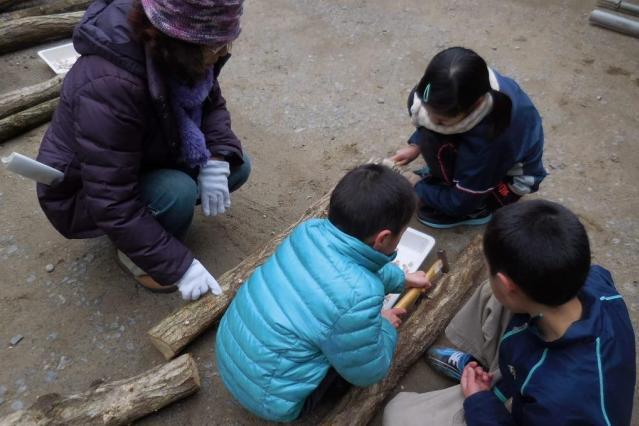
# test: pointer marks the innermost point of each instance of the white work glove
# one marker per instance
(197, 281)
(214, 187)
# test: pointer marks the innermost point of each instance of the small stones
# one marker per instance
(50, 267)
(51, 376)
(64, 362)
(16, 339)
(17, 405)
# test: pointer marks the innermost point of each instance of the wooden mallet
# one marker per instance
(435, 272)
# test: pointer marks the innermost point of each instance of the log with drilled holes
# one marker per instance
(27, 97)
(114, 403)
(419, 331)
(33, 30)
(27, 119)
(173, 333)
(48, 8)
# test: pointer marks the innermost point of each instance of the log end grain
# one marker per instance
(165, 348)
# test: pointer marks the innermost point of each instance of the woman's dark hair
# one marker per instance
(369, 199)
(179, 58)
(542, 247)
(458, 77)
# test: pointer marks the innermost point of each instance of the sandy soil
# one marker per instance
(314, 88)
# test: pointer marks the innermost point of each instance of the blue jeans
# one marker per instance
(171, 195)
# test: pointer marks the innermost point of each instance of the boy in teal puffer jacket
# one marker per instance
(310, 318)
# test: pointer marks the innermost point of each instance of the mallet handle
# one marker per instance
(408, 299)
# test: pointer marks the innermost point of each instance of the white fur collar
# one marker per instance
(420, 117)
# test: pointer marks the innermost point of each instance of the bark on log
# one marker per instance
(33, 30)
(49, 8)
(27, 119)
(421, 329)
(21, 99)
(173, 333)
(114, 403)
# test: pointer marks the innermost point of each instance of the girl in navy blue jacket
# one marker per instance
(480, 135)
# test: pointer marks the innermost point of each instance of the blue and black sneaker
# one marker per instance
(435, 219)
(448, 361)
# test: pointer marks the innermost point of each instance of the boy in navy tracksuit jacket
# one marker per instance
(480, 135)
(567, 354)
(586, 377)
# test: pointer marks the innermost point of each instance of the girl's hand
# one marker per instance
(393, 314)
(475, 379)
(405, 155)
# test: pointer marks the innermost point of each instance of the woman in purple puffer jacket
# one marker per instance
(142, 133)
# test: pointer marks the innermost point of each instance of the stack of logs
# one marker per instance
(27, 23)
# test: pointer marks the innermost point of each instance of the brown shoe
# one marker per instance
(142, 277)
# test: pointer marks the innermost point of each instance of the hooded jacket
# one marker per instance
(114, 123)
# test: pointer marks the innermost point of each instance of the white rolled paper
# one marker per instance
(32, 169)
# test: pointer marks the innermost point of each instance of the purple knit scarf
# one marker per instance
(187, 104)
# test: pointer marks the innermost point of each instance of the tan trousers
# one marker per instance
(476, 329)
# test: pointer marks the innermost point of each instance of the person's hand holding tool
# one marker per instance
(417, 279)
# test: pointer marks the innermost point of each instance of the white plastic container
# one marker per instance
(412, 250)
(60, 58)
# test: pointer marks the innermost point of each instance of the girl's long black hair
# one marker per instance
(458, 77)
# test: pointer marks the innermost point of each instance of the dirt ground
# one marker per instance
(315, 87)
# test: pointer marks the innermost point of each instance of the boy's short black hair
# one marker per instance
(369, 199)
(541, 246)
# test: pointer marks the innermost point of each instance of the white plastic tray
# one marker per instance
(412, 250)
(60, 58)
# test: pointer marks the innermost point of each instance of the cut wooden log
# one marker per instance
(419, 331)
(27, 119)
(114, 403)
(173, 333)
(49, 8)
(27, 97)
(33, 30)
